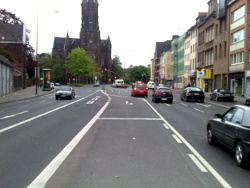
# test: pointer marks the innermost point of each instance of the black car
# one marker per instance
(222, 95)
(192, 94)
(65, 92)
(162, 94)
(232, 129)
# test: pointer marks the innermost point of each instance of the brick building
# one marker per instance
(98, 49)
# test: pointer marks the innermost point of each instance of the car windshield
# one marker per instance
(141, 86)
(65, 89)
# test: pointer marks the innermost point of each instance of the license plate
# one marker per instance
(164, 99)
(62, 95)
(196, 94)
(227, 94)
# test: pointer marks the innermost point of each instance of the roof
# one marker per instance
(12, 33)
(5, 61)
(60, 43)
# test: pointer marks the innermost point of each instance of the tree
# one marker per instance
(139, 73)
(116, 67)
(79, 63)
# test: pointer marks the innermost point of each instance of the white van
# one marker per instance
(118, 82)
(151, 85)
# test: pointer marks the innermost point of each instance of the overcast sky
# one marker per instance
(134, 26)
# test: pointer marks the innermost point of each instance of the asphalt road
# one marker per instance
(110, 139)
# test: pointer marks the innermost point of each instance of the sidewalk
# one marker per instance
(28, 92)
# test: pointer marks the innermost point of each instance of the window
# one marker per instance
(238, 116)
(239, 13)
(237, 36)
(209, 34)
(237, 58)
(209, 57)
(228, 115)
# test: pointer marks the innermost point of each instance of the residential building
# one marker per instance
(161, 63)
(239, 62)
(13, 39)
(206, 46)
(177, 61)
(193, 48)
(6, 76)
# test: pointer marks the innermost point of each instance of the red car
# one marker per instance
(139, 90)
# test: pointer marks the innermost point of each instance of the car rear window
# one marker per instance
(163, 89)
(195, 89)
(141, 86)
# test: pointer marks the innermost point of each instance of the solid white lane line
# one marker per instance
(177, 139)
(24, 106)
(195, 160)
(198, 156)
(158, 119)
(199, 110)
(183, 104)
(165, 126)
(40, 115)
(13, 115)
(46, 174)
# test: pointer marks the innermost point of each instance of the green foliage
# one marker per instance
(76, 85)
(79, 63)
(116, 67)
(138, 73)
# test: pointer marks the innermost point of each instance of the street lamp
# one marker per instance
(37, 68)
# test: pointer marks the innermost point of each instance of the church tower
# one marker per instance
(90, 33)
(99, 50)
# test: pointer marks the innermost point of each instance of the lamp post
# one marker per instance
(37, 68)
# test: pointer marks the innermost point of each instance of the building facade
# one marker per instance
(99, 50)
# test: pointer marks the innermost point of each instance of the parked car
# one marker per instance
(162, 94)
(57, 86)
(151, 85)
(52, 85)
(192, 94)
(247, 100)
(97, 84)
(232, 129)
(222, 95)
(123, 85)
(65, 92)
(139, 90)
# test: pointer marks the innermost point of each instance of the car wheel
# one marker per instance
(240, 154)
(56, 98)
(181, 99)
(210, 137)
(171, 101)
(186, 99)
(146, 96)
(216, 98)
(202, 100)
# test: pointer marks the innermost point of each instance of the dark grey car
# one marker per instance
(222, 95)
(65, 92)
(232, 129)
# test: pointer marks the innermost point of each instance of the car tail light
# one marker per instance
(188, 94)
(157, 94)
(220, 94)
(170, 94)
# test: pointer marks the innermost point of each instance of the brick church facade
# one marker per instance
(98, 49)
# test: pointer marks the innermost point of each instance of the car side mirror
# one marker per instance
(217, 115)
